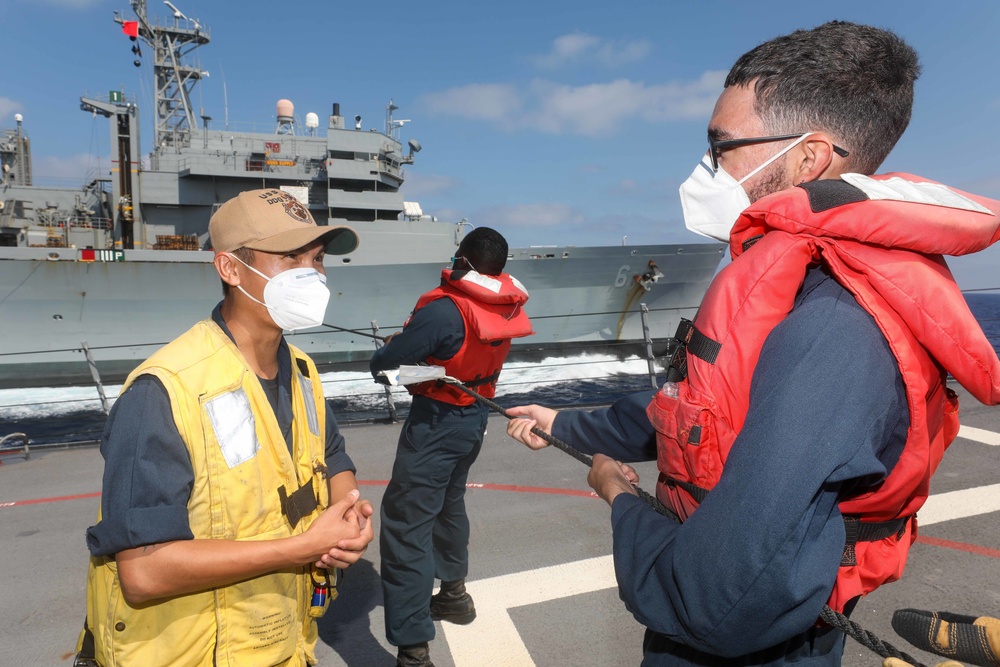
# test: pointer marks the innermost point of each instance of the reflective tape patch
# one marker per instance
(518, 285)
(898, 189)
(305, 384)
(234, 426)
(492, 284)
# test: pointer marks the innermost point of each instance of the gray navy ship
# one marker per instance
(121, 265)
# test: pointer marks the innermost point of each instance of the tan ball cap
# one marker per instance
(273, 221)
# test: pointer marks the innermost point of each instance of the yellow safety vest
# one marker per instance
(240, 462)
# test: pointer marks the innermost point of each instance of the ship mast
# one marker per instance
(171, 45)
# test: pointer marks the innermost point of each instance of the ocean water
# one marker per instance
(73, 414)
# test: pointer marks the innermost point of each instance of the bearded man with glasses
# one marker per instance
(807, 405)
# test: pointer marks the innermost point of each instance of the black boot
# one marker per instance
(453, 604)
(415, 655)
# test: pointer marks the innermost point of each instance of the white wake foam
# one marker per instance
(357, 388)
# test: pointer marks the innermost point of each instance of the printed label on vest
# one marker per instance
(234, 426)
(898, 189)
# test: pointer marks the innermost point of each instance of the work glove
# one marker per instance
(966, 638)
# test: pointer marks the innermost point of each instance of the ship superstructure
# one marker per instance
(123, 264)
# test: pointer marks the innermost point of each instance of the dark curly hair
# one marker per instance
(852, 81)
(485, 249)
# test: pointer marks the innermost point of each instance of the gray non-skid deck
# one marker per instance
(541, 570)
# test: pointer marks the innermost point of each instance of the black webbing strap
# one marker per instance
(690, 341)
(703, 347)
(856, 530)
(696, 492)
(87, 655)
(301, 503)
(750, 241)
(868, 531)
(489, 379)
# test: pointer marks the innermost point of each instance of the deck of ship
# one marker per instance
(541, 570)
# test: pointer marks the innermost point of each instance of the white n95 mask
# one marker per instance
(295, 299)
(713, 200)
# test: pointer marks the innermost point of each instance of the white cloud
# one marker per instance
(447, 214)
(577, 48)
(568, 48)
(422, 185)
(530, 215)
(71, 4)
(477, 101)
(626, 186)
(69, 169)
(592, 110)
(8, 108)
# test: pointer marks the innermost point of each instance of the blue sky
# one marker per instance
(555, 122)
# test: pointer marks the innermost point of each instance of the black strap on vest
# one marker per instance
(868, 531)
(693, 490)
(688, 340)
(829, 193)
(87, 655)
(478, 382)
(855, 529)
(301, 503)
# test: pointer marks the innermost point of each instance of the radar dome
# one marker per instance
(18, 118)
(312, 120)
(286, 108)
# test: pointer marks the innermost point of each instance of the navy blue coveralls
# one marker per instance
(743, 580)
(424, 527)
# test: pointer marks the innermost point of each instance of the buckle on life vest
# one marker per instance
(688, 340)
(857, 530)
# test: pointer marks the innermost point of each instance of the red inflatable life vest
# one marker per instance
(882, 239)
(493, 313)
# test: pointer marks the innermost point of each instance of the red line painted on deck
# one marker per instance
(514, 488)
(959, 546)
(54, 499)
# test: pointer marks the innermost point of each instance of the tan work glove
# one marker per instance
(966, 638)
(896, 662)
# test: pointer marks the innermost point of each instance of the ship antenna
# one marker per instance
(225, 97)
(175, 80)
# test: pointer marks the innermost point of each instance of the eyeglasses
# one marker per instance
(715, 148)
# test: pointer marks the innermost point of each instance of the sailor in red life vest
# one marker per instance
(466, 325)
(808, 407)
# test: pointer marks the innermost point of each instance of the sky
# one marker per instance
(556, 122)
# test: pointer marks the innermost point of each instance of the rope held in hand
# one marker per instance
(828, 615)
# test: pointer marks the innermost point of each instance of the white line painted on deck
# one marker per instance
(492, 639)
(979, 435)
(959, 504)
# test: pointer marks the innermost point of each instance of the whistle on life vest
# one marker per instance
(324, 591)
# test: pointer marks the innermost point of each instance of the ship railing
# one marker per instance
(561, 388)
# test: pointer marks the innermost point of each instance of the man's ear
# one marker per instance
(815, 159)
(227, 268)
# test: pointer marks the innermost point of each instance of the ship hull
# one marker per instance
(50, 308)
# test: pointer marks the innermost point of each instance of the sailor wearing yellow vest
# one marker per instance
(227, 491)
